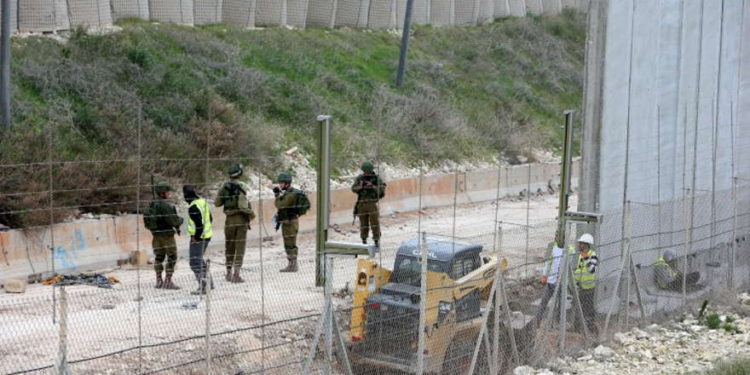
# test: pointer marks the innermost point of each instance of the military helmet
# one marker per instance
(284, 177)
(235, 170)
(669, 256)
(162, 187)
(367, 167)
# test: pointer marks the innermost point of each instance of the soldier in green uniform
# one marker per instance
(369, 188)
(291, 203)
(161, 219)
(239, 213)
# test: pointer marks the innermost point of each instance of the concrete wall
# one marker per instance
(56, 15)
(666, 101)
(86, 245)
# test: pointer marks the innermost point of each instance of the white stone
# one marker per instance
(585, 358)
(603, 352)
(621, 338)
(524, 370)
(697, 328)
(545, 372)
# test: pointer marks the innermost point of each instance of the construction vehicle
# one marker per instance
(385, 317)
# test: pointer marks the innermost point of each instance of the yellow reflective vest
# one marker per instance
(206, 217)
(585, 271)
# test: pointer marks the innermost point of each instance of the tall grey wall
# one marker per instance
(667, 116)
(56, 15)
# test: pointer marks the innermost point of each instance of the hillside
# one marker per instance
(471, 94)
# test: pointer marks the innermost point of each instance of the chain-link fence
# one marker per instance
(49, 16)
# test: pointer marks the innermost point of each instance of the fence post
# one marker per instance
(563, 298)
(733, 248)
(422, 305)
(62, 361)
(5, 64)
(208, 284)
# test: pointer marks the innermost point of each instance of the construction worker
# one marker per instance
(585, 278)
(162, 220)
(200, 222)
(239, 213)
(667, 275)
(550, 275)
(369, 189)
(291, 203)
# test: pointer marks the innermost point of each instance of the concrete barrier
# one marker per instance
(534, 7)
(351, 13)
(269, 13)
(175, 11)
(442, 12)
(129, 9)
(382, 14)
(86, 245)
(296, 13)
(42, 15)
(240, 13)
(90, 13)
(320, 13)
(207, 11)
(517, 8)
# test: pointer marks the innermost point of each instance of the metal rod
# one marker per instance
(563, 299)
(139, 297)
(5, 64)
(734, 200)
(62, 361)
(625, 261)
(422, 304)
(565, 173)
(528, 209)
(323, 194)
(262, 275)
(404, 44)
(328, 326)
(208, 282)
(50, 201)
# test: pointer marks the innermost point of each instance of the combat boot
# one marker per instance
(168, 284)
(228, 277)
(159, 281)
(201, 288)
(377, 243)
(236, 277)
(292, 267)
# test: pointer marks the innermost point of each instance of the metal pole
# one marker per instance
(565, 173)
(62, 362)
(208, 282)
(563, 299)
(422, 305)
(5, 64)
(324, 173)
(404, 44)
(328, 316)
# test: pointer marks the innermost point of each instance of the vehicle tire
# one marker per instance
(459, 354)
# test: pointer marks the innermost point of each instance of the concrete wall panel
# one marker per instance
(421, 12)
(465, 12)
(320, 13)
(441, 12)
(90, 13)
(551, 7)
(518, 7)
(502, 8)
(351, 13)
(129, 9)
(239, 13)
(268, 12)
(208, 11)
(534, 7)
(175, 11)
(382, 14)
(42, 15)
(486, 11)
(296, 13)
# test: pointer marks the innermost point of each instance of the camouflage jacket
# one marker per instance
(233, 197)
(168, 220)
(369, 188)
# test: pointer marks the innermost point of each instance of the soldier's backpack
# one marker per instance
(232, 199)
(151, 217)
(303, 203)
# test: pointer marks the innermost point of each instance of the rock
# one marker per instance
(524, 370)
(640, 335)
(697, 328)
(621, 338)
(654, 328)
(15, 286)
(545, 372)
(585, 358)
(603, 352)
(108, 307)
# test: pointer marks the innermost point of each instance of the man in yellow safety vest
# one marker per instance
(200, 222)
(585, 278)
(667, 275)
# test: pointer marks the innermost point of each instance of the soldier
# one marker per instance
(369, 189)
(291, 204)
(200, 222)
(162, 220)
(239, 213)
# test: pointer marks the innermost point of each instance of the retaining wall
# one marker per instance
(54, 15)
(86, 245)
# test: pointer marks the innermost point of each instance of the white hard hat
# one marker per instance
(587, 238)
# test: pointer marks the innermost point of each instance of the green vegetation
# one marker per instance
(471, 94)
(714, 321)
(736, 367)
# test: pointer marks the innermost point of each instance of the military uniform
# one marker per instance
(290, 203)
(165, 223)
(369, 188)
(239, 213)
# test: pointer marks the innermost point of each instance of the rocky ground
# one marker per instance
(684, 345)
